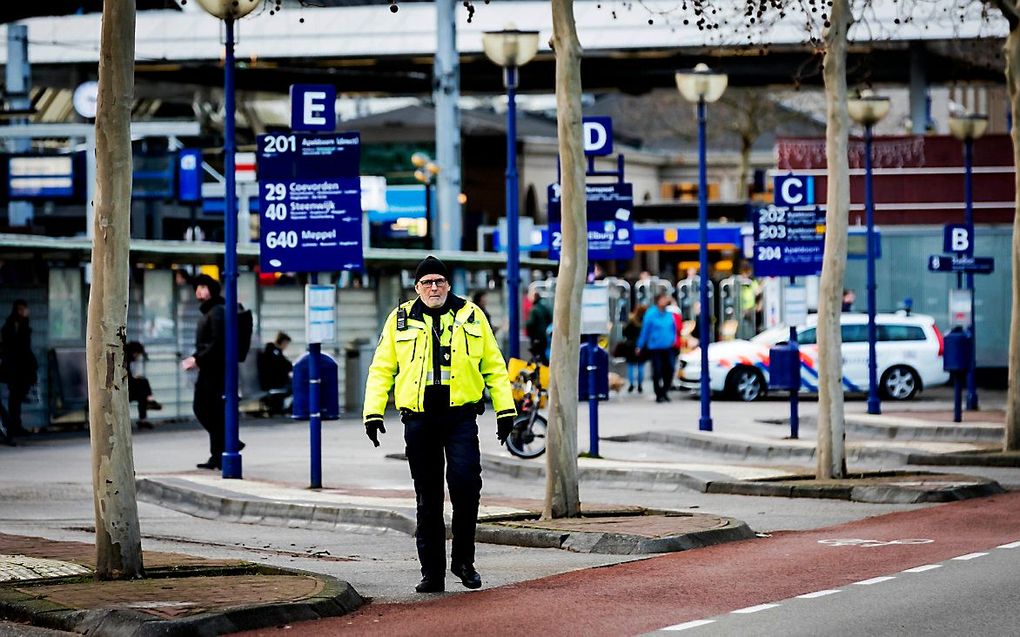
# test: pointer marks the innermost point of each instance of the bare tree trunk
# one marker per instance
(746, 144)
(1012, 53)
(831, 435)
(561, 495)
(118, 537)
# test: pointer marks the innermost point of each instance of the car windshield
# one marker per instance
(772, 336)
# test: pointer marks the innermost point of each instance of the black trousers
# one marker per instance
(208, 407)
(16, 394)
(431, 440)
(662, 370)
(139, 391)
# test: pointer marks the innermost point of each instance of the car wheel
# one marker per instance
(900, 383)
(746, 384)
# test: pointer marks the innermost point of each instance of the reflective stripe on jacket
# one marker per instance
(403, 360)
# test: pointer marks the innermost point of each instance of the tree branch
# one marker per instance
(1009, 10)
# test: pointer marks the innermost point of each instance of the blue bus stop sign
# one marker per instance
(310, 202)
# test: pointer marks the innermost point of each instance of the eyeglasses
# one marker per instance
(427, 283)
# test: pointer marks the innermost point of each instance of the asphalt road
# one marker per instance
(971, 594)
(759, 579)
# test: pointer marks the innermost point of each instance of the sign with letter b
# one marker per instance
(958, 237)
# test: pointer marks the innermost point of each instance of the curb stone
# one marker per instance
(646, 479)
(613, 543)
(790, 487)
(750, 450)
(904, 492)
(505, 531)
(905, 428)
(216, 504)
(335, 599)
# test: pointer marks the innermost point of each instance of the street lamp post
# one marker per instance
(967, 128)
(512, 49)
(230, 11)
(702, 86)
(868, 109)
(424, 171)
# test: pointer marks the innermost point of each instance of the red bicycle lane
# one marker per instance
(638, 597)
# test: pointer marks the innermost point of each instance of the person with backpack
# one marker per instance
(210, 360)
(18, 365)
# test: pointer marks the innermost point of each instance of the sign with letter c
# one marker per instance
(794, 190)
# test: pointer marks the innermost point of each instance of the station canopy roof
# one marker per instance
(363, 48)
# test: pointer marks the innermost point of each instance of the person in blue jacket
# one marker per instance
(658, 334)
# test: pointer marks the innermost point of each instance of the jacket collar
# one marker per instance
(454, 304)
(208, 304)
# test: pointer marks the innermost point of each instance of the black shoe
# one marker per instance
(154, 405)
(211, 463)
(144, 424)
(660, 399)
(469, 577)
(630, 390)
(431, 585)
(639, 390)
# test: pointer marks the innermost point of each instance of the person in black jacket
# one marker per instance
(210, 360)
(18, 367)
(274, 373)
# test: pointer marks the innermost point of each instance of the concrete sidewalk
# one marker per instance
(50, 584)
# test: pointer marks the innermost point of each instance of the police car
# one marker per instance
(908, 348)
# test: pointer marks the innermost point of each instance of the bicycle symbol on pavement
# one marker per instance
(873, 543)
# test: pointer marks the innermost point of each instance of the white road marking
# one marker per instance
(1011, 545)
(686, 625)
(832, 591)
(969, 556)
(754, 609)
(921, 569)
(874, 580)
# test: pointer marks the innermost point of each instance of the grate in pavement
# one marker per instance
(22, 567)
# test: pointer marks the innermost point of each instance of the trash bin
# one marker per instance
(958, 350)
(784, 367)
(329, 388)
(358, 357)
(601, 363)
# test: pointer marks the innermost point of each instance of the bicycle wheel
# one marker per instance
(527, 440)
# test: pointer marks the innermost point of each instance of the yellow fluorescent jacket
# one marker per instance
(403, 360)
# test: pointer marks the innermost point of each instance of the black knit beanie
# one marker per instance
(207, 281)
(430, 265)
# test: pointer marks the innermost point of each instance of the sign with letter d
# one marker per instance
(598, 135)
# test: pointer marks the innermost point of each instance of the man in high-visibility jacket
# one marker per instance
(438, 354)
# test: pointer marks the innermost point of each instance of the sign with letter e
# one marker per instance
(958, 237)
(312, 107)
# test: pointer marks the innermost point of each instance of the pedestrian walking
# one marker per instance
(635, 363)
(210, 360)
(438, 354)
(658, 335)
(537, 327)
(18, 365)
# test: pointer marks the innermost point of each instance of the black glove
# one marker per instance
(373, 427)
(504, 425)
